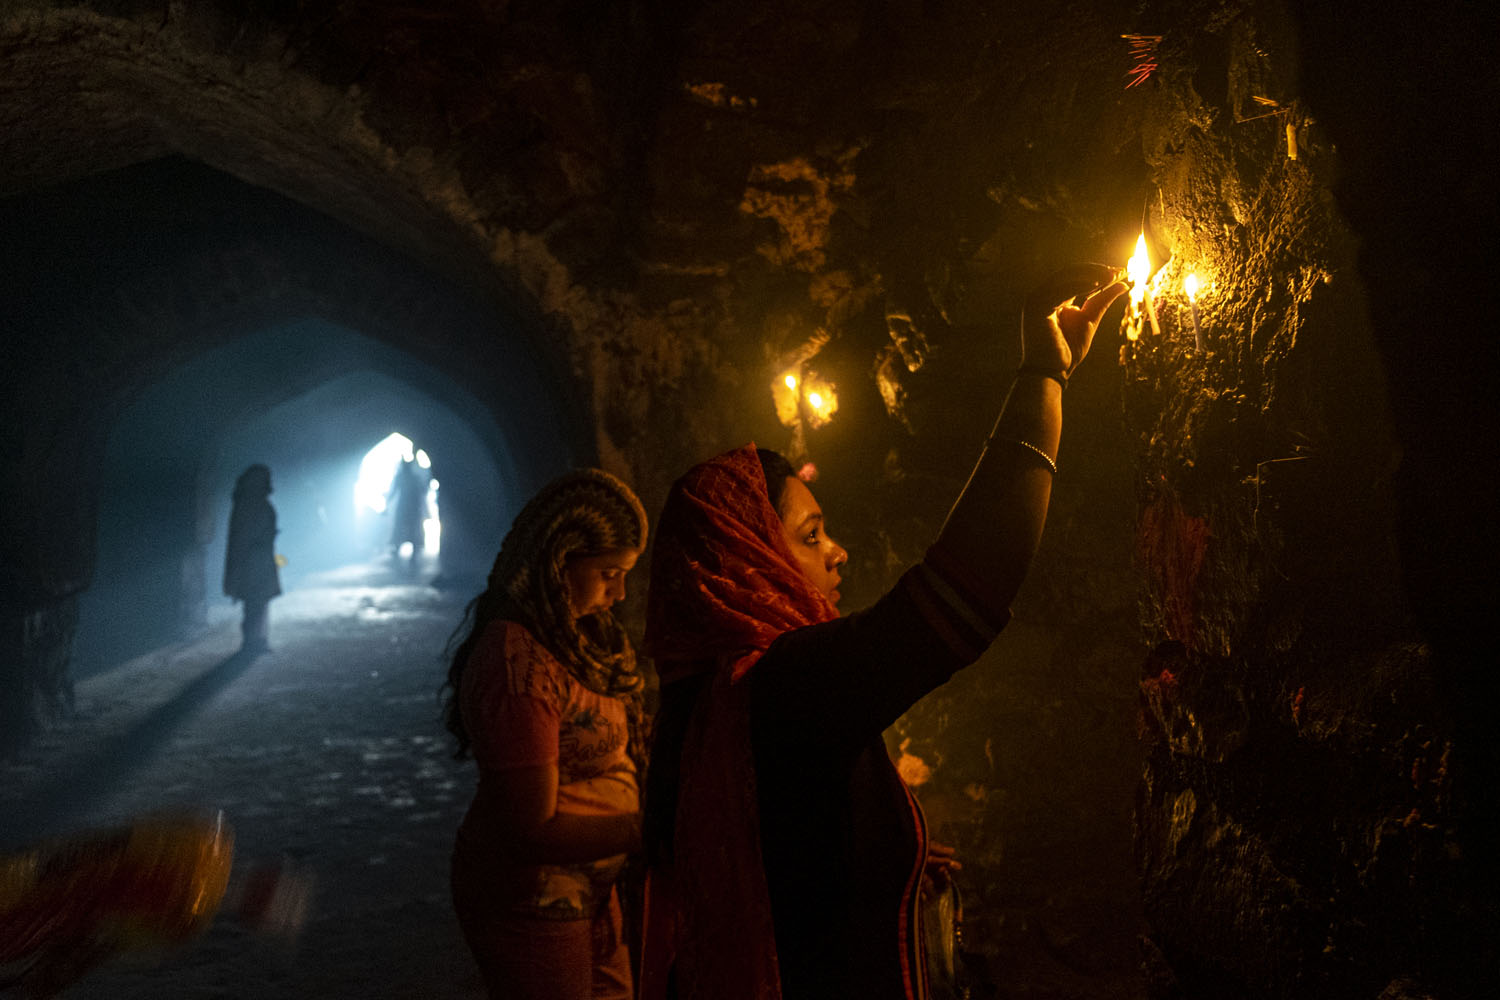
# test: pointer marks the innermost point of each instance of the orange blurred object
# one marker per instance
(70, 904)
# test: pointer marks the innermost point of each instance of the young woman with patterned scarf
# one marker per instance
(545, 696)
(784, 852)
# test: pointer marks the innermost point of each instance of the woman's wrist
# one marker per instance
(1032, 411)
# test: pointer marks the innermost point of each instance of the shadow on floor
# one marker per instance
(61, 800)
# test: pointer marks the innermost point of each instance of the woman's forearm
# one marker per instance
(567, 838)
(995, 526)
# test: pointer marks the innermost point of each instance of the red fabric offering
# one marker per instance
(724, 586)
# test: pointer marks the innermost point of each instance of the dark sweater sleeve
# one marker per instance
(842, 682)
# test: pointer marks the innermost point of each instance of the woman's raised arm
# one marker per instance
(994, 528)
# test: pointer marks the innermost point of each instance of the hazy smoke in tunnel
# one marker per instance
(173, 457)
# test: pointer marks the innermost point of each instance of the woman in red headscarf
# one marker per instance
(786, 854)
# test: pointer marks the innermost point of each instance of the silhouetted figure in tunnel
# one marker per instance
(250, 572)
(407, 500)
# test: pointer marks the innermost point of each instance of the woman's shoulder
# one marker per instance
(516, 639)
(521, 658)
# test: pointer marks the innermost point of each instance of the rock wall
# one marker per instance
(1215, 661)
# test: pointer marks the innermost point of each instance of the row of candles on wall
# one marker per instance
(1144, 287)
(805, 401)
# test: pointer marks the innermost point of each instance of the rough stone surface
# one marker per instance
(1253, 562)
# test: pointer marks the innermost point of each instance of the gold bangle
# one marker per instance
(1035, 450)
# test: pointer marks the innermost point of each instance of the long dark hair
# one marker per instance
(583, 513)
(777, 471)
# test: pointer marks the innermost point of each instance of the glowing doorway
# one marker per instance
(376, 488)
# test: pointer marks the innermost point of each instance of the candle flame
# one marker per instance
(803, 397)
(1190, 286)
(1139, 270)
(822, 401)
(784, 393)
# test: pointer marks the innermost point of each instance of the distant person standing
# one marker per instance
(250, 570)
(407, 500)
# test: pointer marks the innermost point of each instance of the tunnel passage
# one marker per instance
(172, 459)
(170, 277)
(888, 175)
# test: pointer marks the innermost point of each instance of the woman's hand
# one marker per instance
(941, 864)
(533, 830)
(1056, 334)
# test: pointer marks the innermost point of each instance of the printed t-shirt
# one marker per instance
(523, 708)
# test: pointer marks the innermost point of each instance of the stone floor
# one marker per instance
(327, 752)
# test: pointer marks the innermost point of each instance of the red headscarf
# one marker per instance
(724, 585)
(723, 582)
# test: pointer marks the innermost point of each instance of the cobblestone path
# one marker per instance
(328, 751)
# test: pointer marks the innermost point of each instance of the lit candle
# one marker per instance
(822, 401)
(1139, 272)
(1190, 286)
(784, 392)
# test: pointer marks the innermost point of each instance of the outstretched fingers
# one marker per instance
(1068, 283)
(1098, 303)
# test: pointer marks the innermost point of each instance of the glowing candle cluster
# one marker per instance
(804, 398)
(1145, 285)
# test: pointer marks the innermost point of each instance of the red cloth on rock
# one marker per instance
(724, 586)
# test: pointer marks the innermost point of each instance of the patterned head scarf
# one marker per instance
(583, 513)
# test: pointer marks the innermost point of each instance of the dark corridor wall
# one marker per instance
(1235, 742)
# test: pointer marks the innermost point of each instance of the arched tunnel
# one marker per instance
(309, 400)
(259, 372)
(1236, 740)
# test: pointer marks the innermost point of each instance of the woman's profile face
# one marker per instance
(818, 556)
(597, 583)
